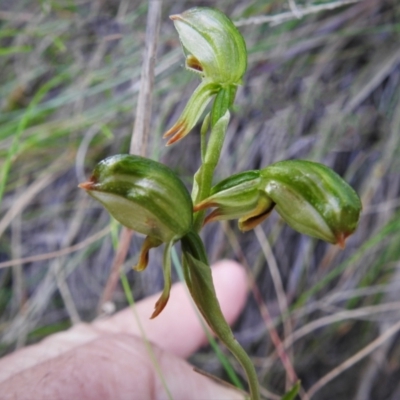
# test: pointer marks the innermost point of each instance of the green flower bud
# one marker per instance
(144, 196)
(313, 199)
(310, 197)
(212, 44)
(239, 196)
(216, 50)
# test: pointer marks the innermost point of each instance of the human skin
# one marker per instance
(108, 359)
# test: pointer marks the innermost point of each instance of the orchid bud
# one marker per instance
(213, 45)
(313, 199)
(144, 196)
(216, 50)
(239, 196)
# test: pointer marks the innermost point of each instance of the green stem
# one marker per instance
(195, 264)
(199, 281)
(222, 103)
(223, 359)
(203, 177)
(203, 135)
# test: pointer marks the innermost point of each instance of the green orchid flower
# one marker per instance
(309, 197)
(215, 50)
(147, 197)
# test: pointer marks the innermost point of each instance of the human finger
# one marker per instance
(178, 328)
(115, 366)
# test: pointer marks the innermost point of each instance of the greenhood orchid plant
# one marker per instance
(148, 197)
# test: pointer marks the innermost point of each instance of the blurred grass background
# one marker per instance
(323, 83)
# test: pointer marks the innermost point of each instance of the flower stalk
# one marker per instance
(200, 284)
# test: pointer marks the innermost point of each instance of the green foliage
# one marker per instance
(292, 393)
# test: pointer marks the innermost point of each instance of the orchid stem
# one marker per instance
(200, 283)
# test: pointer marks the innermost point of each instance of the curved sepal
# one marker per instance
(148, 244)
(192, 112)
(163, 300)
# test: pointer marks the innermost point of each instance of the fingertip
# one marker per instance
(178, 328)
(230, 271)
(231, 286)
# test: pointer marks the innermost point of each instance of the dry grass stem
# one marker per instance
(141, 128)
(47, 177)
(354, 359)
(280, 292)
(63, 252)
(140, 133)
(262, 307)
(295, 13)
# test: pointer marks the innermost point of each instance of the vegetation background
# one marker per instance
(323, 83)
